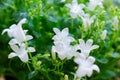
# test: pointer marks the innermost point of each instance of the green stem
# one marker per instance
(72, 24)
(29, 67)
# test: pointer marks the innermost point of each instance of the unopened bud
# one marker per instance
(66, 77)
(39, 63)
(104, 33)
(115, 23)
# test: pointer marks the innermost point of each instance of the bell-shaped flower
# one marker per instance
(86, 47)
(21, 52)
(103, 35)
(17, 33)
(62, 45)
(115, 23)
(87, 21)
(76, 9)
(94, 3)
(85, 66)
(62, 36)
(64, 51)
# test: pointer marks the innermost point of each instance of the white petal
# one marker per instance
(11, 55)
(82, 43)
(91, 60)
(89, 72)
(31, 49)
(80, 72)
(13, 42)
(89, 43)
(65, 31)
(81, 6)
(25, 31)
(23, 46)
(94, 47)
(77, 60)
(96, 68)
(23, 57)
(22, 21)
(13, 26)
(74, 2)
(73, 15)
(56, 30)
(68, 5)
(15, 48)
(29, 37)
(5, 30)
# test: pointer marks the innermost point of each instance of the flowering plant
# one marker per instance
(60, 40)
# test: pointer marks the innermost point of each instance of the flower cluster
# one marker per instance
(64, 50)
(77, 10)
(62, 45)
(84, 61)
(18, 41)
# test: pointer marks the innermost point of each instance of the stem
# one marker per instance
(72, 24)
(29, 67)
(30, 57)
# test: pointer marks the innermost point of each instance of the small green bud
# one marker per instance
(66, 77)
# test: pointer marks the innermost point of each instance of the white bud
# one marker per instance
(103, 35)
(115, 23)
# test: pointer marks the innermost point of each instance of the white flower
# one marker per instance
(64, 51)
(115, 23)
(76, 9)
(17, 33)
(94, 3)
(21, 52)
(103, 35)
(62, 45)
(87, 21)
(62, 36)
(85, 67)
(86, 47)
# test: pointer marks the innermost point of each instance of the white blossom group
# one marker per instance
(62, 42)
(77, 10)
(18, 41)
(64, 50)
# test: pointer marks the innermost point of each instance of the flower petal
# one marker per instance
(23, 57)
(91, 60)
(13, 26)
(89, 72)
(31, 49)
(56, 30)
(74, 2)
(29, 37)
(65, 31)
(25, 31)
(81, 6)
(82, 43)
(15, 48)
(68, 5)
(13, 42)
(94, 47)
(5, 30)
(22, 21)
(11, 55)
(89, 43)
(96, 68)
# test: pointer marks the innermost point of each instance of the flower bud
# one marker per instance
(103, 35)
(66, 77)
